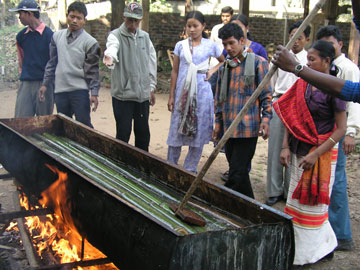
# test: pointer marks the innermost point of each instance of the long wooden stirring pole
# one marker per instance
(243, 111)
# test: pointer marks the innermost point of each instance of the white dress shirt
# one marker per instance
(283, 80)
(349, 71)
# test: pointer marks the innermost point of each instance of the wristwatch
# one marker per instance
(298, 69)
(351, 134)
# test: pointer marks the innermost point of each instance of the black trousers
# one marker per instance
(127, 111)
(75, 102)
(239, 153)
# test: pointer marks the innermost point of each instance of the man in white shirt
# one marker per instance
(339, 209)
(226, 13)
(278, 177)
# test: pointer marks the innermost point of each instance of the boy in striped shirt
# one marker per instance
(242, 73)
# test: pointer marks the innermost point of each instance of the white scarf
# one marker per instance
(190, 89)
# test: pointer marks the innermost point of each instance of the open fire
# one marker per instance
(56, 234)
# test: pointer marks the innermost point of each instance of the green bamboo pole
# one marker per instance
(137, 198)
(140, 196)
(117, 180)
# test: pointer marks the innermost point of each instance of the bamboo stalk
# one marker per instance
(128, 176)
(114, 182)
(110, 175)
(244, 110)
(106, 173)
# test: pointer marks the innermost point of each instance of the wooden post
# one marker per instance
(331, 10)
(353, 51)
(306, 8)
(244, 7)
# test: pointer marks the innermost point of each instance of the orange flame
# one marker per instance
(58, 232)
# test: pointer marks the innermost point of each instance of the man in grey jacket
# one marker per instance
(132, 57)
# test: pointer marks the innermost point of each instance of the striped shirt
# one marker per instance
(238, 95)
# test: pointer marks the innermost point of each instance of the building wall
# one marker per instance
(263, 8)
(166, 29)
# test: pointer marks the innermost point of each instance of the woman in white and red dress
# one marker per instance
(315, 122)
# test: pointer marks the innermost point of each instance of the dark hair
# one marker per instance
(245, 21)
(326, 49)
(227, 9)
(297, 25)
(36, 13)
(242, 18)
(79, 7)
(197, 15)
(327, 31)
(231, 30)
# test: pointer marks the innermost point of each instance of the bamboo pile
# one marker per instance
(140, 192)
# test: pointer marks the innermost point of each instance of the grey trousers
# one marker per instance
(28, 103)
(278, 177)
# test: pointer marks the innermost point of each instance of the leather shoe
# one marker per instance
(225, 176)
(329, 257)
(272, 200)
(345, 245)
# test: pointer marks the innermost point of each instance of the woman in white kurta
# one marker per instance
(201, 49)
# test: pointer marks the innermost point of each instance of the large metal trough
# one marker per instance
(131, 237)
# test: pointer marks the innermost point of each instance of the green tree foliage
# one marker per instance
(8, 54)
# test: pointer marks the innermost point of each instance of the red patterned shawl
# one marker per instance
(313, 187)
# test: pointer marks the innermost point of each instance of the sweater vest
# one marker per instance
(36, 53)
(69, 73)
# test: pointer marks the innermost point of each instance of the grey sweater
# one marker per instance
(69, 74)
(130, 79)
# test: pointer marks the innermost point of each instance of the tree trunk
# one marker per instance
(244, 7)
(353, 51)
(145, 23)
(3, 21)
(117, 10)
(306, 8)
(331, 11)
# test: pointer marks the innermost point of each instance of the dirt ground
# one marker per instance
(103, 121)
